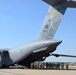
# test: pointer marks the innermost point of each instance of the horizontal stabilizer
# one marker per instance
(69, 3)
(54, 2)
(72, 4)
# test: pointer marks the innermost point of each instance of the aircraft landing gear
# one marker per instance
(4, 66)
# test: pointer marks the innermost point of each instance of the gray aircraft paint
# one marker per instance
(19, 53)
(52, 21)
(45, 40)
(50, 25)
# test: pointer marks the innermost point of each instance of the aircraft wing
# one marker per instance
(63, 55)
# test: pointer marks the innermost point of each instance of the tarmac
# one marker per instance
(36, 72)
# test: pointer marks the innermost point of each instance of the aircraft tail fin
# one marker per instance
(54, 17)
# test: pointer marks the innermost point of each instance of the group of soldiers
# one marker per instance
(52, 65)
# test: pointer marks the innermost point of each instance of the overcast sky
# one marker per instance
(21, 21)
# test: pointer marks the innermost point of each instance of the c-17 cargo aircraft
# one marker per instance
(45, 45)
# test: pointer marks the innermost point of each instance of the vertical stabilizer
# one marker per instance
(52, 20)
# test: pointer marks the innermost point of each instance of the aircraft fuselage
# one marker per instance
(15, 55)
